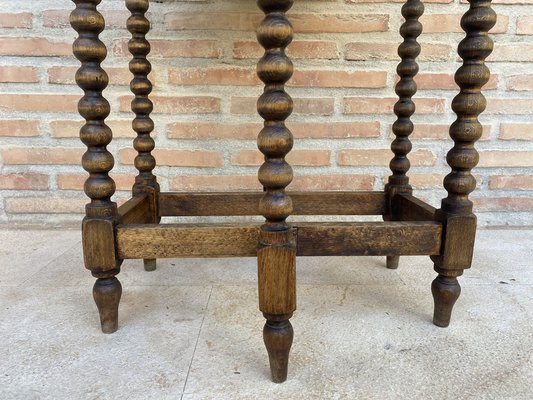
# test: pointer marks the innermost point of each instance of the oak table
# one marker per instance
(112, 234)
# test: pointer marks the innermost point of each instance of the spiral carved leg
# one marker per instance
(107, 292)
(278, 336)
(446, 291)
(393, 262)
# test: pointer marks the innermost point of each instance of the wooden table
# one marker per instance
(411, 227)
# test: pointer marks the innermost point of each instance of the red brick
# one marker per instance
(45, 205)
(215, 183)
(42, 156)
(521, 182)
(76, 181)
(427, 81)
(369, 51)
(512, 131)
(495, 204)
(520, 82)
(24, 181)
(508, 159)
(295, 157)
(16, 20)
(334, 130)
(66, 75)
(339, 23)
(311, 49)
(524, 25)
(305, 106)
(517, 52)
(178, 104)
(212, 21)
(178, 158)
(213, 130)
(60, 18)
(303, 23)
(332, 182)
(174, 48)
(71, 129)
(374, 105)
(382, 157)
(36, 47)
(214, 76)
(18, 74)
(300, 130)
(339, 79)
(19, 128)
(506, 106)
(441, 132)
(39, 102)
(444, 23)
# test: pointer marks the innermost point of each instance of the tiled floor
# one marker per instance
(192, 330)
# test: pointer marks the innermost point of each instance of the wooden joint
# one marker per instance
(406, 207)
(457, 249)
(152, 195)
(99, 250)
(391, 191)
(276, 261)
(136, 210)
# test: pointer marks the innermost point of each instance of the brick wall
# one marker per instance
(204, 54)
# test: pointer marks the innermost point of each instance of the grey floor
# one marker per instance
(191, 329)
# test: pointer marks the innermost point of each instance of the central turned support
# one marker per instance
(276, 253)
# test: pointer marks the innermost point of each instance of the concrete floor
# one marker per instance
(191, 329)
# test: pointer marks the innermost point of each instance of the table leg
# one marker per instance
(98, 228)
(277, 246)
(456, 209)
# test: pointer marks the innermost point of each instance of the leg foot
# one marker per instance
(393, 262)
(106, 293)
(150, 264)
(446, 291)
(278, 337)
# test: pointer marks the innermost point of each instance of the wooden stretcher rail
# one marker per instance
(313, 239)
(246, 203)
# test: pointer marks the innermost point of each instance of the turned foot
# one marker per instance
(446, 291)
(106, 293)
(393, 262)
(150, 264)
(278, 341)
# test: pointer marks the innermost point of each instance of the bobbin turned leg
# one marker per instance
(141, 87)
(98, 229)
(404, 108)
(277, 246)
(456, 209)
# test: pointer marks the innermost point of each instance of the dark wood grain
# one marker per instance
(313, 239)
(408, 208)
(275, 140)
(369, 238)
(247, 203)
(135, 211)
(187, 240)
(101, 213)
(456, 209)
